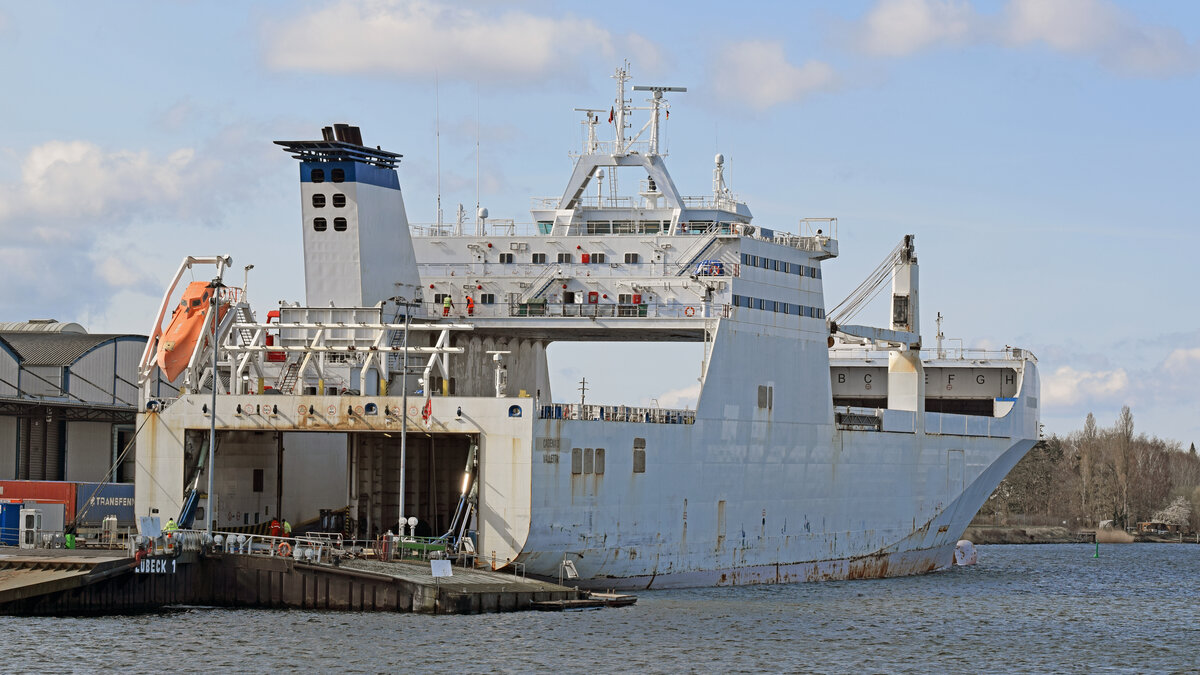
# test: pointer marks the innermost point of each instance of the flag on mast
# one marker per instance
(612, 112)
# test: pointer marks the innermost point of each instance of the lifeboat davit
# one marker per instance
(178, 342)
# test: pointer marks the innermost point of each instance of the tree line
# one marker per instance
(1098, 474)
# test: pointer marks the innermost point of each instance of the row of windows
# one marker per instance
(320, 224)
(318, 201)
(587, 460)
(780, 266)
(585, 258)
(778, 307)
(335, 175)
(484, 298)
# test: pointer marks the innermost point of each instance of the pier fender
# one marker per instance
(965, 553)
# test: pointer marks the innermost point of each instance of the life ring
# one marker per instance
(690, 311)
(284, 549)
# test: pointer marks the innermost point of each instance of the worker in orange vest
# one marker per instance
(470, 306)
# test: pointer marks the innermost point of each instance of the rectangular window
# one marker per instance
(631, 258)
(639, 455)
(599, 460)
(764, 263)
(599, 258)
(539, 258)
(759, 303)
(506, 258)
(576, 460)
(766, 396)
(487, 298)
(258, 480)
(564, 257)
(720, 524)
(589, 460)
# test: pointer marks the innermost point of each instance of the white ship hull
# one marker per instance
(734, 511)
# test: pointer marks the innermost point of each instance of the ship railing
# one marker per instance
(304, 548)
(610, 309)
(724, 202)
(500, 227)
(953, 353)
(606, 269)
(616, 413)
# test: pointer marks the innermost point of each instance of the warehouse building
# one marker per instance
(68, 401)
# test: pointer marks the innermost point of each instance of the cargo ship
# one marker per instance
(410, 391)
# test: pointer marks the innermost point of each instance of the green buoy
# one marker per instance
(1097, 553)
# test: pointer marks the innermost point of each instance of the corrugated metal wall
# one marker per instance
(92, 375)
(41, 448)
(8, 374)
(42, 381)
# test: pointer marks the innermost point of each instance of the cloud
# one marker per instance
(1068, 387)
(902, 27)
(66, 186)
(1093, 29)
(1182, 360)
(79, 222)
(677, 398)
(1100, 30)
(758, 73)
(414, 38)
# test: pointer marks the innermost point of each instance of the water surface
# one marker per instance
(1050, 608)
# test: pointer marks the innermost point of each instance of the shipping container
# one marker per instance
(10, 523)
(94, 501)
(48, 491)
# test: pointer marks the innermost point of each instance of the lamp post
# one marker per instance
(404, 412)
(215, 287)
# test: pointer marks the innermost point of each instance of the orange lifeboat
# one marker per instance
(178, 342)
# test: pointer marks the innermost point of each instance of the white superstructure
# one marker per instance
(817, 449)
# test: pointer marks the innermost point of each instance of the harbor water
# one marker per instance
(1047, 608)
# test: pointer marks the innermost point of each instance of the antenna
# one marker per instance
(656, 104)
(582, 391)
(591, 120)
(478, 227)
(437, 134)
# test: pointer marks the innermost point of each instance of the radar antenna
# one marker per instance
(657, 102)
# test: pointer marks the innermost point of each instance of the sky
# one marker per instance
(1044, 153)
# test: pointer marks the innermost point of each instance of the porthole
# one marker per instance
(318, 201)
(339, 224)
(318, 175)
(339, 201)
(338, 175)
(319, 224)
